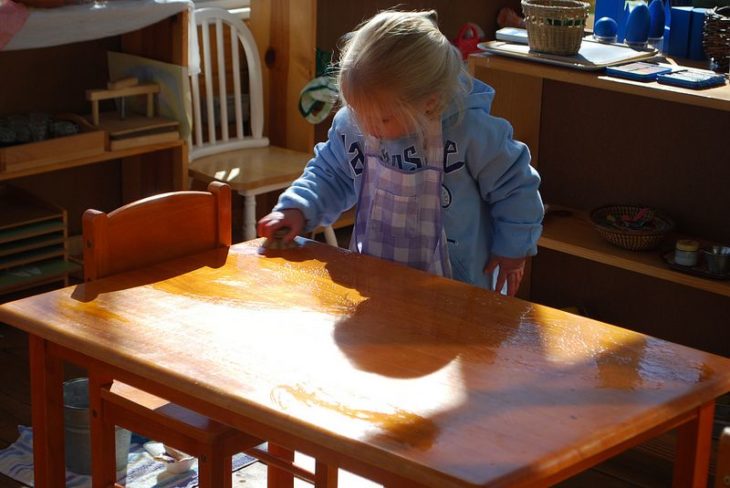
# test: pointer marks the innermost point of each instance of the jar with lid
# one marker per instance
(686, 252)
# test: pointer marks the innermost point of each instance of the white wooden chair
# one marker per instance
(224, 145)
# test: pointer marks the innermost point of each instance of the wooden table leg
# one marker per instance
(103, 435)
(214, 467)
(276, 477)
(692, 458)
(325, 476)
(46, 389)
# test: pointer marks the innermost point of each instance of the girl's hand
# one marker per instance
(511, 271)
(293, 218)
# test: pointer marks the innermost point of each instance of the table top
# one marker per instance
(447, 383)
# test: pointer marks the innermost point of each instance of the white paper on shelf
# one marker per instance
(96, 20)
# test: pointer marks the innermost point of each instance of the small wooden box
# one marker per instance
(88, 142)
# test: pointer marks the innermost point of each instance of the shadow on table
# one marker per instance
(87, 292)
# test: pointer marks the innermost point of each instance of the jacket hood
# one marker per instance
(479, 97)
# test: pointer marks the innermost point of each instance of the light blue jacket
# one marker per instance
(490, 197)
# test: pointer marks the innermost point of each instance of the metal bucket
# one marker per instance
(76, 429)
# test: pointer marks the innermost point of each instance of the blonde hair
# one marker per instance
(397, 61)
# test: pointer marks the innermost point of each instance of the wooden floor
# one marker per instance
(648, 466)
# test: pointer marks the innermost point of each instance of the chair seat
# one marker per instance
(346, 219)
(251, 171)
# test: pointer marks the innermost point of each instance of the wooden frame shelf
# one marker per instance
(576, 236)
(597, 140)
(34, 247)
(105, 156)
(33, 236)
(715, 98)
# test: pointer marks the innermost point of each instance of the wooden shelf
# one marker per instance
(715, 98)
(105, 156)
(576, 236)
(37, 274)
(32, 241)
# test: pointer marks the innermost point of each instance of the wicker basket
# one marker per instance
(716, 38)
(647, 237)
(555, 26)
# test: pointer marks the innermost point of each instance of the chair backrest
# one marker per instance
(154, 229)
(222, 34)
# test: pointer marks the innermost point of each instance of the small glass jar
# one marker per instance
(686, 252)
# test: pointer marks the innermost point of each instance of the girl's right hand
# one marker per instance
(293, 218)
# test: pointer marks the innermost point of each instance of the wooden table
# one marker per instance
(391, 373)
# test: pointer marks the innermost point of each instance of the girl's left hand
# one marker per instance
(511, 271)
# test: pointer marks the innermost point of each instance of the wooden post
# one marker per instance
(103, 434)
(150, 105)
(95, 111)
(277, 476)
(692, 458)
(46, 379)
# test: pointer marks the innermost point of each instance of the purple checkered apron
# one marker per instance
(398, 214)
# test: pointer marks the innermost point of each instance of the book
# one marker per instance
(639, 71)
(689, 78)
(512, 34)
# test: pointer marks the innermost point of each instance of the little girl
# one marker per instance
(438, 183)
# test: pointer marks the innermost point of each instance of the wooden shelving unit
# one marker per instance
(575, 235)
(34, 235)
(715, 98)
(32, 242)
(97, 158)
(598, 140)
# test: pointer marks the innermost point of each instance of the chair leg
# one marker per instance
(249, 217)
(330, 237)
(722, 476)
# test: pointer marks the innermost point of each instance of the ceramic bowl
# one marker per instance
(181, 466)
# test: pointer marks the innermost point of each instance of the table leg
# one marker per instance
(692, 457)
(249, 217)
(276, 477)
(103, 435)
(46, 390)
(325, 476)
(214, 467)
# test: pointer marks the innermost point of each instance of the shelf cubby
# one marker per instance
(32, 242)
(575, 235)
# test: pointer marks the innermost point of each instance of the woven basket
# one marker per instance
(648, 237)
(555, 26)
(716, 38)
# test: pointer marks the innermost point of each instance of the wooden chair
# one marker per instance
(224, 145)
(141, 233)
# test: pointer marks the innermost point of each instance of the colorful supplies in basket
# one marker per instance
(632, 227)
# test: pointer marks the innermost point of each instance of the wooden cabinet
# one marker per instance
(54, 80)
(598, 140)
